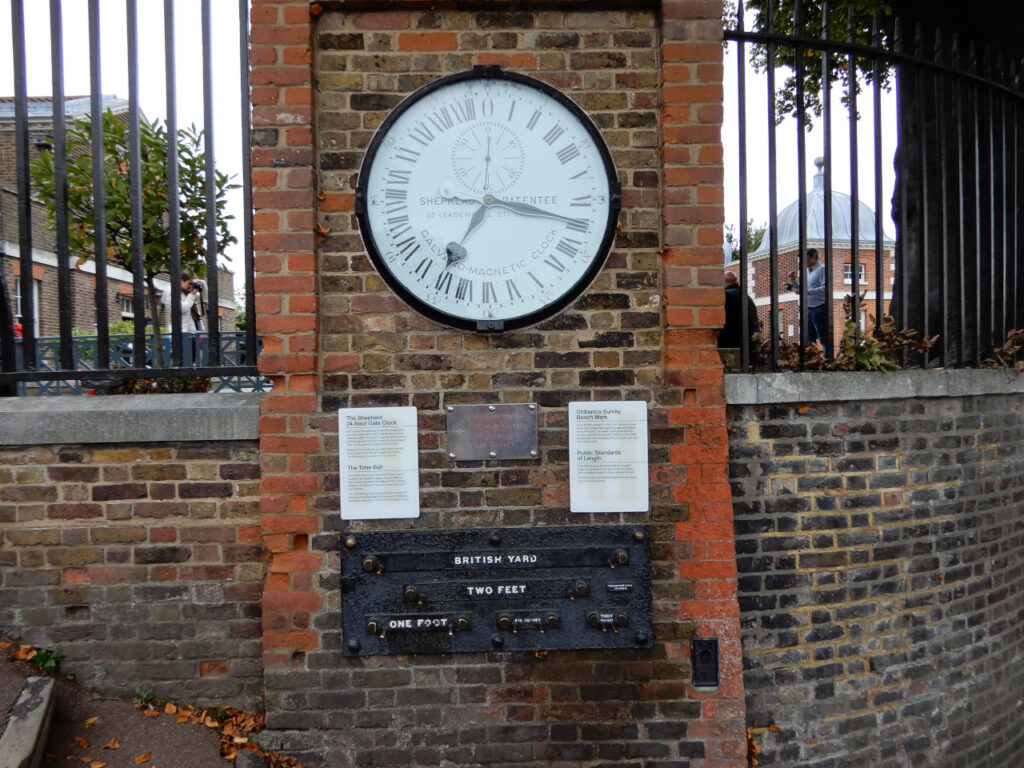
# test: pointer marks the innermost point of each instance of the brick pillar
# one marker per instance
(284, 197)
(692, 216)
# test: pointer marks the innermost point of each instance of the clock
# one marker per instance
(487, 200)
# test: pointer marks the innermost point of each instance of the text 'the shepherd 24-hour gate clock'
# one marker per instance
(488, 200)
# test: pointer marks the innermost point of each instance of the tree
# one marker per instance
(861, 22)
(752, 235)
(156, 244)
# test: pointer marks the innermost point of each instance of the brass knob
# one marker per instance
(581, 589)
(594, 619)
(621, 620)
(504, 622)
(371, 564)
(638, 536)
(552, 620)
(411, 594)
(350, 542)
(372, 627)
(462, 623)
(620, 557)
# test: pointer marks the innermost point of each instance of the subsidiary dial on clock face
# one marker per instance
(487, 201)
(488, 157)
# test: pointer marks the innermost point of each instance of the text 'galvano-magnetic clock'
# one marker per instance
(487, 200)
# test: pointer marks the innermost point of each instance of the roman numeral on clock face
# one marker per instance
(551, 136)
(489, 294)
(464, 290)
(569, 247)
(422, 134)
(567, 153)
(444, 282)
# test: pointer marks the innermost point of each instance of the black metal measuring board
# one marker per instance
(507, 589)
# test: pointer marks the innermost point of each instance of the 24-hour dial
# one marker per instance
(487, 200)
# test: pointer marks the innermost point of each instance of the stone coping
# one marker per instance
(841, 386)
(129, 418)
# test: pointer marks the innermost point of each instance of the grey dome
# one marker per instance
(789, 219)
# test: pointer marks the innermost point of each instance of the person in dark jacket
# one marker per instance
(731, 334)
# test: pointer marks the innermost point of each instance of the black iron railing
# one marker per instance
(20, 361)
(955, 269)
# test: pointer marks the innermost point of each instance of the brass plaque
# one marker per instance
(479, 432)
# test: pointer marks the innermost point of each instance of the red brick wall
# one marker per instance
(335, 337)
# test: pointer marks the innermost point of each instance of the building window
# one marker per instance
(127, 309)
(848, 274)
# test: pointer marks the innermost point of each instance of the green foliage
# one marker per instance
(155, 200)
(753, 233)
(848, 21)
(46, 660)
(143, 697)
(860, 352)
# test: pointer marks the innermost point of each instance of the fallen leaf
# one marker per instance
(169, 708)
(91, 722)
(182, 718)
(93, 696)
(86, 760)
(144, 758)
(151, 713)
(112, 744)
(97, 764)
(5, 645)
(209, 722)
(82, 742)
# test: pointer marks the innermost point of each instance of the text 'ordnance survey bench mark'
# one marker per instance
(379, 463)
(608, 457)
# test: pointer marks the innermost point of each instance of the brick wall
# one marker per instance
(142, 564)
(881, 578)
(334, 337)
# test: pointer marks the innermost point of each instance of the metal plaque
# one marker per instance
(513, 589)
(477, 432)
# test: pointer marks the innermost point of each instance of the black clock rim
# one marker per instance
(485, 325)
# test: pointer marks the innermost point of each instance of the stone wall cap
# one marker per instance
(129, 418)
(840, 386)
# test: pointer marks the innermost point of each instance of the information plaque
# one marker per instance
(512, 589)
(378, 463)
(608, 457)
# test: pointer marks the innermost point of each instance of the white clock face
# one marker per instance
(487, 201)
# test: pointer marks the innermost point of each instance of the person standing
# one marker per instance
(190, 322)
(731, 335)
(817, 295)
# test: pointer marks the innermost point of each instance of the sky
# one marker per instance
(786, 147)
(152, 85)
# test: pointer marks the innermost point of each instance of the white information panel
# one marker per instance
(379, 462)
(608, 457)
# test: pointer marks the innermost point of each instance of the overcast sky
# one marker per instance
(786, 138)
(152, 84)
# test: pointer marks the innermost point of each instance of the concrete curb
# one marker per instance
(21, 745)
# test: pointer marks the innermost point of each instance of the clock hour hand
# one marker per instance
(455, 252)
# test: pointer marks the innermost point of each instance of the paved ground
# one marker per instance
(89, 730)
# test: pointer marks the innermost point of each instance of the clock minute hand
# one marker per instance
(527, 210)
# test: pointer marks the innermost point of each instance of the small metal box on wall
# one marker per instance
(443, 591)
